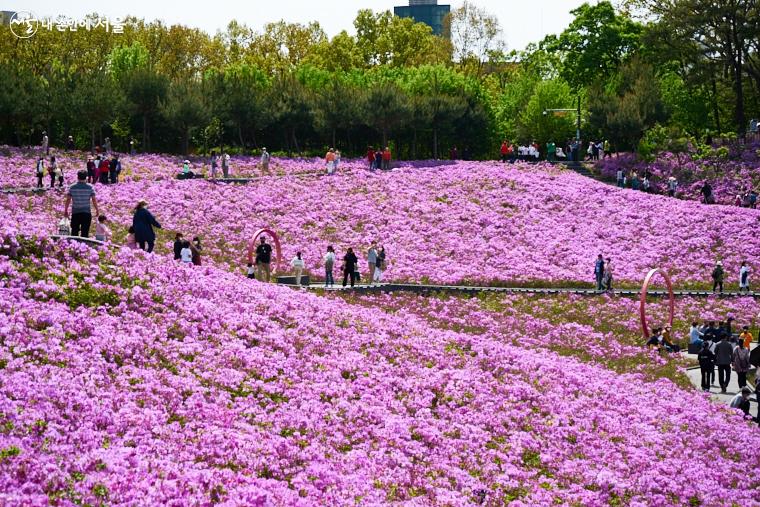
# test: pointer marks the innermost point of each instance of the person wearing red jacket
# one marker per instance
(371, 158)
(103, 168)
(504, 151)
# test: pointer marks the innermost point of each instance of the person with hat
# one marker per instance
(81, 194)
(741, 400)
(672, 186)
(143, 221)
(717, 276)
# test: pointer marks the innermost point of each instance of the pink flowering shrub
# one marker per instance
(467, 223)
(129, 379)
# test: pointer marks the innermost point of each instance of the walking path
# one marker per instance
(467, 289)
(695, 376)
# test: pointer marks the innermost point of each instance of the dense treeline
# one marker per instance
(293, 89)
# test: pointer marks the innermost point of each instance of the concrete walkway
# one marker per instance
(695, 376)
(470, 289)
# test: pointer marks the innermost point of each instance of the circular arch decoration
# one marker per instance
(643, 299)
(275, 239)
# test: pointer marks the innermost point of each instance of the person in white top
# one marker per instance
(265, 157)
(744, 277)
(329, 264)
(297, 264)
(186, 254)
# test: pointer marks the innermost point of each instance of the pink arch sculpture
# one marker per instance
(643, 299)
(275, 239)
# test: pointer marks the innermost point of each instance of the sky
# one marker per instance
(522, 21)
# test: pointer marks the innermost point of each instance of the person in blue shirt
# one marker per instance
(599, 272)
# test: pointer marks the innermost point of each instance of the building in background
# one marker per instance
(424, 11)
(5, 17)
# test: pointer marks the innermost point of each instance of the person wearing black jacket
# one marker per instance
(724, 353)
(349, 267)
(178, 242)
(706, 364)
(143, 221)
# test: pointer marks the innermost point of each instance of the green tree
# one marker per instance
(185, 109)
(596, 42)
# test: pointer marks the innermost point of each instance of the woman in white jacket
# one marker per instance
(297, 264)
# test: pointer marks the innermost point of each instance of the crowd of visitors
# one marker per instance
(603, 273)
(380, 159)
(187, 252)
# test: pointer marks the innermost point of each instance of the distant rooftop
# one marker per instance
(424, 11)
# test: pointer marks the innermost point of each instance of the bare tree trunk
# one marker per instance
(435, 143)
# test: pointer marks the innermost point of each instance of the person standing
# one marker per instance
(717, 277)
(503, 151)
(740, 363)
(197, 249)
(453, 153)
(81, 195)
(90, 169)
(114, 168)
(620, 178)
(186, 254)
(387, 159)
(107, 145)
(225, 165)
(372, 261)
(143, 221)
(337, 159)
(329, 264)
(214, 165)
(103, 170)
(39, 171)
(102, 231)
(349, 267)
(551, 151)
(607, 279)
(744, 277)
(706, 365)
(707, 193)
(599, 272)
(672, 186)
(380, 265)
(178, 244)
(745, 337)
(330, 161)
(371, 158)
(265, 157)
(297, 264)
(263, 258)
(724, 354)
(45, 144)
(132, 146)
(52, 168)
(70, 143)
(378, 159)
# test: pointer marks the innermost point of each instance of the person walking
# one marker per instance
(372, 261)
(265, 157)
(706, 365)
(378, 158)
(744, 277)
(724, 354)
(740, 363)
(349, 267)
(717, 277)
(599, 272)
(503, 151)
(40, 171)
(263, 259)
(197, 249)
(297, 264)
(70, 143)
(143, 221)
(91, 167)
(329, 264)
(607, 278)
(380, 265)
(745, 337)
(82, 195)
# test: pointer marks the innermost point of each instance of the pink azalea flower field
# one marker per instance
(128, 379)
